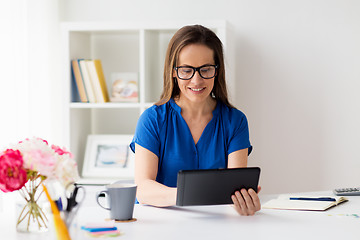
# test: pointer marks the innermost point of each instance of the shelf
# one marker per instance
(104, 105)
(109, 105)
(137, 47)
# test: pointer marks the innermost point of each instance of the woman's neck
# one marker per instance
(196, 109)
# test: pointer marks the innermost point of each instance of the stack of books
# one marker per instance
(89, 83)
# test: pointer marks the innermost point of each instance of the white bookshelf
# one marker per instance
(122, 47)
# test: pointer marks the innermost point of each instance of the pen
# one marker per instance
(314, 199)
(59, 204)
(99, 229)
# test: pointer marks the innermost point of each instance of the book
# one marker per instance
(94, 81)
(78, 80)
(75, 97)
(87, 82)
(308, 203)
(101, 79)
(124, 87)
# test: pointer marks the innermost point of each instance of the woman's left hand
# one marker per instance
(246, 203)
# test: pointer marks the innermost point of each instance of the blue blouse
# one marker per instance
(163, 131)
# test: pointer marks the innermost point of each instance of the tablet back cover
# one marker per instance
(214, 186)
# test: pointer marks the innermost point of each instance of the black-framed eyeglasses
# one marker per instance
(187, 72)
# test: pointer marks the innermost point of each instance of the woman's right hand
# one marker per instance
(246, 203)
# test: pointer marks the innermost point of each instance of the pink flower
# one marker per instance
(12, 173)
(51, 162)
(38, 156)
(41, 161)
(61, 151)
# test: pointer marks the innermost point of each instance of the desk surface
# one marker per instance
(208, 222)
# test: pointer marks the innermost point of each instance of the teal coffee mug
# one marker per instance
(121, 200)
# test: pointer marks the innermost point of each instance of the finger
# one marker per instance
(251, 209)
(236, 204)
(239, 203)
(242, 203)
(259, 189)
(255, 199)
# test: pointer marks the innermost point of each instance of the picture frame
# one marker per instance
(108, 156)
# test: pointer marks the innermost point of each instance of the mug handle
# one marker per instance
(99, 195)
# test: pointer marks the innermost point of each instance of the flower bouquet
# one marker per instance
(25, 167)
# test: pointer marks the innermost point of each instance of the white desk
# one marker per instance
(212, 222)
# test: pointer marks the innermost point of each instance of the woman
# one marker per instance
(193, 126)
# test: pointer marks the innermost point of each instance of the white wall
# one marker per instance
(298, 79)
(44, 72)
(297, 71)
(30, 75)
(13, 68)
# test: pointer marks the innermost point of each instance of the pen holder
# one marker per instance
(69, 216)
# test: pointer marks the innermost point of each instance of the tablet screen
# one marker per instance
(214, 186)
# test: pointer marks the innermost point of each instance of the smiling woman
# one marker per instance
(193, 126)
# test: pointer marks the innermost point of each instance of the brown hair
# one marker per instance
(195, 34)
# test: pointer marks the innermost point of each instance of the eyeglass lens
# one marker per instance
(206, 72)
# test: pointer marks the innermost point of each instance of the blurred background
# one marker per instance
(297, 71)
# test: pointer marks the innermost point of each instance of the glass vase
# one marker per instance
(31, 217)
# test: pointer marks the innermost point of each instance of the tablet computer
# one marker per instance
(214, 186)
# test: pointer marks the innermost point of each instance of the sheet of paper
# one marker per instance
(284, 202)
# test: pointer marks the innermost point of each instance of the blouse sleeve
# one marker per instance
(147, 132)
(239, 132)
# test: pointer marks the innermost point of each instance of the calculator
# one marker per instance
(347, 191)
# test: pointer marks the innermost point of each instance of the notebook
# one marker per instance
(214, 186)
(310, 204)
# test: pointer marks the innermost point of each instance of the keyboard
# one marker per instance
(347, 191)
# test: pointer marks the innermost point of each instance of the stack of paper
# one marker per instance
(101, 229)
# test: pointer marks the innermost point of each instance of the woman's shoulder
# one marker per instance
(156, 112)
(231, 113)
(233, 119)
(159, 109)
